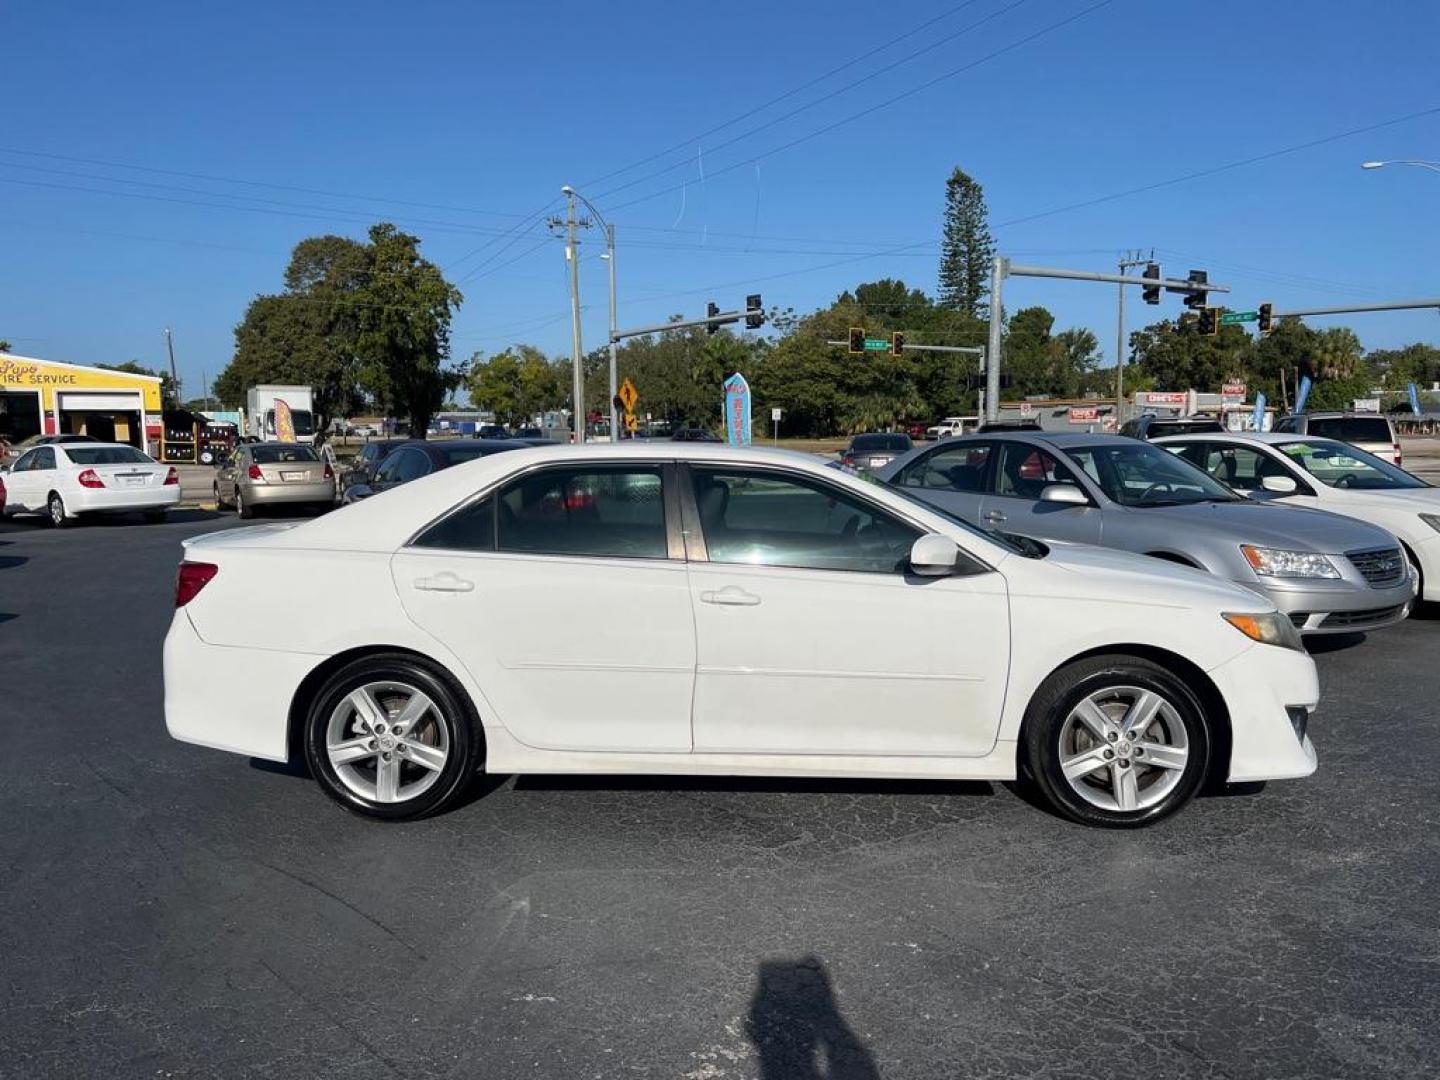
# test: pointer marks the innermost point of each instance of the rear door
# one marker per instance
(27, 475)
(1022, 471)
(811, 636)
(953, 477)
(565, 595)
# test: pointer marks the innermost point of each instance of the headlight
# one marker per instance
(1433, 520)
(1276, 562)
(1268, 628)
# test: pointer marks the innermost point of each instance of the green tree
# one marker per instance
(4, 345)
(1173, 356)
(966, 248)
(1397, 368)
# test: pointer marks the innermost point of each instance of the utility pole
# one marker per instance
(614, 345)
(572, 252)
(999, 269)
(174, 375)
(1125, 264)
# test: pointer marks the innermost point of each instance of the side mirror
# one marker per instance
(1067, 494)
(1279, 485)
(933, 555)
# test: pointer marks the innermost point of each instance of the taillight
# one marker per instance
(329, 472)
(192, 577)
(89, 479)
(255, 474)
(173, 476)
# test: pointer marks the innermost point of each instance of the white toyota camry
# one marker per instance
(64, 480)
(402, 644)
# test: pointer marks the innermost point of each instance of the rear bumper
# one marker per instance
(274, 494)
(1338, 607)
(230, 698)
(120, 500)
(1260, 687)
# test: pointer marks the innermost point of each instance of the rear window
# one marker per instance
(106, 455)
(880, 444)
(281, 455)
(1351, 429)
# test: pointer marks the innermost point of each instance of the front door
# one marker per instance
(813, 639)
(565, 595)
(31, 479)
(1022, 471)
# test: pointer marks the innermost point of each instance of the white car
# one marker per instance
(431, 647)
(953, 425)
(1327, 474)
(65, 480)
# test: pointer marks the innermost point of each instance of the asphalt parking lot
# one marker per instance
(174, 911)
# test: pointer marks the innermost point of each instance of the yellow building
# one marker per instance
(40, 397)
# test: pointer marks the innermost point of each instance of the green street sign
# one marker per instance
(1230, 318)
(875, 344)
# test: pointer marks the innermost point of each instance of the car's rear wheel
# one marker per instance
(55, 509)
(389, 737)
(243, 509)
(1117, 741)
(219, 502)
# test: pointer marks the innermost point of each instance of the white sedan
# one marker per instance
(65, 480)
(438, 638)
(1327, 474)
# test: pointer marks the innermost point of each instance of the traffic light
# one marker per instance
(1196, 299)
(711, 310)
(1209, 324)
(754, 313)
(1151, 293)
(897, 342)
(857, 339)
(1267, 317)
(619, 405)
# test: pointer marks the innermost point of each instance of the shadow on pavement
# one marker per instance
(9, 562)
(6, 616)
(827, 785)
(1319, 646)
(797, 1029)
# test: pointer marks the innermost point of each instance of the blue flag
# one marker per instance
(1414, 400)
(1257, 420)
(1303, 394)
(737, 410)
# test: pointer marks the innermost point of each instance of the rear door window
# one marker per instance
(614, 511)
(954, 468)
(1351, 429)
(1025, 471)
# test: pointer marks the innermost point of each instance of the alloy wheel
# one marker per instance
(387, 741)
(1123, 748)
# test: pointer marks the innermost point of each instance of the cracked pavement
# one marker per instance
(179, 912)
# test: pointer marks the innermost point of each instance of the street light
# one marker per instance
(609, 257)
(1433, 166)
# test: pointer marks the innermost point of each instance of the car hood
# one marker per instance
(1421, 500)
(1108, 572)
(1268, 525)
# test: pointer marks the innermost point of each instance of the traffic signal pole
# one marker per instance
(1352, 309)
(1003, 268)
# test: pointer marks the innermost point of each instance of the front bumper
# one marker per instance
(230, 698)
(1261, 688)
(275, 494)
(1338, 606)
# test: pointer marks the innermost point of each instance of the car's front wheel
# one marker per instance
(1117, 741)
(390, 737)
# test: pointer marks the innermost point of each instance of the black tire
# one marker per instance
(452, 709)
(1046, 725)
(220, 503)
(154, 517)
(55, 511)
(244, 511)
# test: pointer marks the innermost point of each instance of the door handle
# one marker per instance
(444, 581)
(730, 596)
(994, 516)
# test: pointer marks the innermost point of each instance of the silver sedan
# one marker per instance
(1328, 573)
(271, 474)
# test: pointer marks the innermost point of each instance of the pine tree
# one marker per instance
(967, 248)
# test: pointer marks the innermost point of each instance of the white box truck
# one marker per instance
(260, 411)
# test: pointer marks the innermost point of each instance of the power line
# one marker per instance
(1019, 43)
(824, 97)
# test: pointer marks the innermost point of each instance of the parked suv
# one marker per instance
(1155, 427)
(1370, 432)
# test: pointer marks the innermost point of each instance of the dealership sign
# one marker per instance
(1233, 390)
(1084, 414)
(1157, 397)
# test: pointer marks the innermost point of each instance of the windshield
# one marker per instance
(1142, 475)
(1371, 429)
(107, 455)
(880, 444)
(1340, 465)
(282, 455)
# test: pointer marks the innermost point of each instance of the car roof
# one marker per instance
(1059, 439)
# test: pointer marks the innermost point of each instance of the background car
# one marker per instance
(1153, 427)
(367, 460)
(270, 474)
(4, 494)
(1371, 432)
(412, 460)
(1328, 475)
(491, 431)
(1121, 684)
(695, 434)
(874, 449)
(1330, 574)
(65, 480)
(952, 425)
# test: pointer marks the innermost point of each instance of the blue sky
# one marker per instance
(484, 111)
